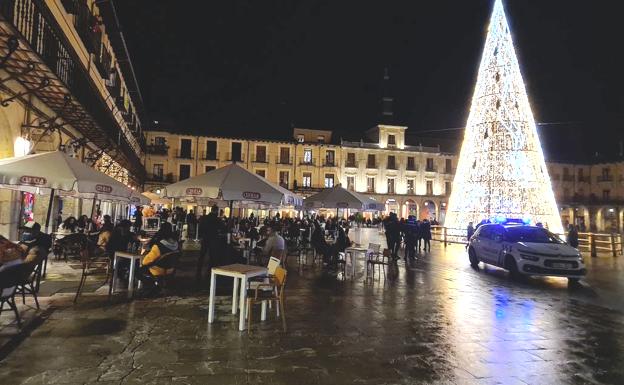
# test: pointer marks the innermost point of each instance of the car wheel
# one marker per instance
(472, 255)
(512, 267)
(573, 281)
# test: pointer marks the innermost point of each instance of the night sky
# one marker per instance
(258, 68)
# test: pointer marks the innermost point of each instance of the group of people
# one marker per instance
(415, 235)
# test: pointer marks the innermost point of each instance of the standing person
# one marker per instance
(573, 236)
(426, 235)
(418, 235)
(138, 219)
(212, 231)
(393, 234)
(191, 221)
(409, 231)
(469, 231)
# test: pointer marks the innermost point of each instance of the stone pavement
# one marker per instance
(434, 321)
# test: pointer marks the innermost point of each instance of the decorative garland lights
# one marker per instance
(501, 171)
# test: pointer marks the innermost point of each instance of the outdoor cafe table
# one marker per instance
(132, 258)
(241, 274)
(353, 251)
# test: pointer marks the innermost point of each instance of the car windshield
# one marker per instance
(531, 234)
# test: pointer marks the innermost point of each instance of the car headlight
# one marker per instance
(529, 257)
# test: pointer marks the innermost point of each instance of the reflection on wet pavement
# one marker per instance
(435, 320)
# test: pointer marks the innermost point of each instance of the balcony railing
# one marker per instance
(180, 154)
(329, 163)
(371, 165)
(568, 178)
(411, 167)
(157, 149)
(284, 159)
(234, 157)
(584, 179)
(391, 166)
(307, 162)
(88, 27)
(351, 164)
(165, 178)
(604, 178)
(57, 62)
(209, 155)
(431, 169)
(260, 158)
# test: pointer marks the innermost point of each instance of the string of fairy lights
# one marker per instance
(501, 170)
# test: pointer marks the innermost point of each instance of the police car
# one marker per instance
(523, 249)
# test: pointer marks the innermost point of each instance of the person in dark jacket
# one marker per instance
(469, 232)
(573, 239)
(409, 232)
(426, 235)
(393, 234)
(212, 232)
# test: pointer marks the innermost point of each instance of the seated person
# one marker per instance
(103, 237)
(164, 241)
(10, 253)
(319, 243)
(35, 243)
(69, 225)
(275, 244)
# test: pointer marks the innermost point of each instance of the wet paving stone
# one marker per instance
(432, 321)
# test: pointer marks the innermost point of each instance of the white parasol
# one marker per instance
(340, 198)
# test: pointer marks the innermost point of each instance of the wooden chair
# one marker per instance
(28, 283)
(273, 291)
(92, 264)
(10, 278)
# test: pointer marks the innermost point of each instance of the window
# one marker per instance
(262, 173)
(448, 166)
(261, 154)
(351, 159)
(391, 162)
(351, 183)
(370, 161)
(283, 179)
(429, 187)
(157, 169)
(606, 194)
(160, 141)
(320, 139)
(211, 150)
(370, 184)
(391, 140)
(284, 157)
(329, 180)
(300, 138)
(411, 164)
(447, 188)
(390, 185)
(209, 168)
(330, 157)
(185, 171)
(429, 164)
(606, 172)
(185, 148)
(237, 152)
(566, 193)
(307, 179)
(410, 186)
(307, 156)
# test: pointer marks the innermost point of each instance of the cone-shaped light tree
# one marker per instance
(501, 169)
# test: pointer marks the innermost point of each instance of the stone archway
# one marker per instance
(408, 208)
(392, 206)
(428, 210)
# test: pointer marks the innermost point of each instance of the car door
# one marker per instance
(480, 242)
(490, 245)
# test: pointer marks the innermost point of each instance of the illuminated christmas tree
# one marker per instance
(501, 170)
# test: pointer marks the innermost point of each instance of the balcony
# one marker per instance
(180, 154)
(234, 157)
(50, 68)
(164, 178)
(284, 160)
(209, 155)
(371, 165)
(329, 163)
(157, 149)
(351, 164)
(89, 27)
(411, 167)
(307, 162)
(431, 169)
(391, 166)
(260, 158)
(568, 178)
(449, 171)
(604, 178)
(584, 179)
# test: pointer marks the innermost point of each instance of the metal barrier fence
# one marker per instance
(590, 242)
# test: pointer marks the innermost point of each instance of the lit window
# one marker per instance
(370, 184)
(307, 179)
(390, 185)
(351, 183)
(307, 155)
(329, 180)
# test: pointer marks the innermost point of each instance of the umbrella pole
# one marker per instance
(93, 205)
(47, 222)
(231, 208)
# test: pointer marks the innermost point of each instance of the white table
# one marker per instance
(352, 251)
(241, 274)
(132, 258)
